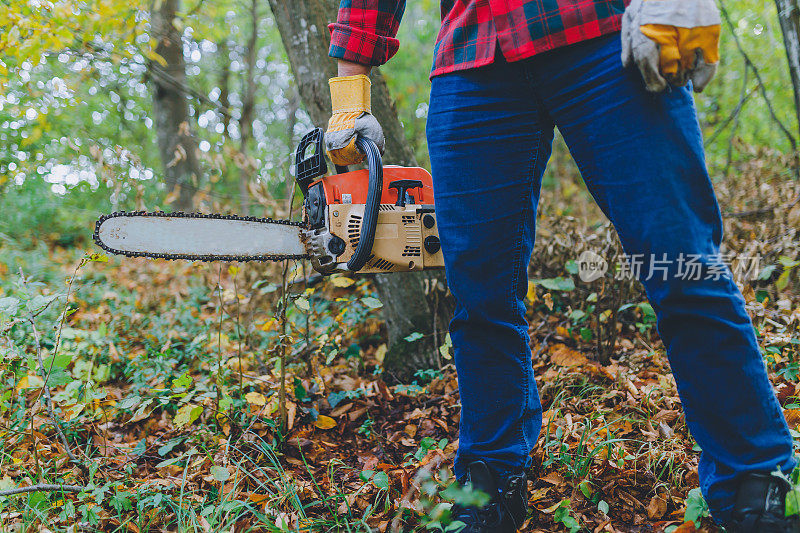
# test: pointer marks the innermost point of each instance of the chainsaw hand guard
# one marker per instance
(370, 222)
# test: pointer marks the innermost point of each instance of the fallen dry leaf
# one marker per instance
(563, 355)
(255, 398)
(657, 507)
(325, 422)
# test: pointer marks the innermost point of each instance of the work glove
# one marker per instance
(351, 102)
(672, 41)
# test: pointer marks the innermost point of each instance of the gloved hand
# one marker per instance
(672, 41)
(351, 102)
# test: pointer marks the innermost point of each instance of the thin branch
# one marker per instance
(8, 325)
(238, 333)
(736, 111)
(48, 399)
(165, 76)
(194, 9)
(219, 341)
(736, 121)
(64, 315)
(413, 488)
(45, 374)
(160, 72)
(284, 336)
(43, 487)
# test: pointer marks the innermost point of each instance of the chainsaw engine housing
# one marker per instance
(378, 219)
(406, 235)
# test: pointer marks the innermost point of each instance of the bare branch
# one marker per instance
(734, 116)
(46, 388)
(43, 487)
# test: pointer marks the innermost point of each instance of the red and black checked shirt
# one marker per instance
(472, 29)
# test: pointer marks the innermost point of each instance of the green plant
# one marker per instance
(563, 515)
(425, 445)
(577, 461)
(436, 513)
(427, 375)
(648, 315)
(788, 265)
(696, 507)
(366, 428)
(335, 398)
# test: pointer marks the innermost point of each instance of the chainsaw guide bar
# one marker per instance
(105, 228)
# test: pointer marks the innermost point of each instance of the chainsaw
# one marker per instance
(378, 219)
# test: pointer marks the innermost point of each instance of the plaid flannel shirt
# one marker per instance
(365, 31)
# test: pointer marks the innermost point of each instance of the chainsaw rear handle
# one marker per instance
(370, 221)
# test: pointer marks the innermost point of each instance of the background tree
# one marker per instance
(175, 139)
(247, 163)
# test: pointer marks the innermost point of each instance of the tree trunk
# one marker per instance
(247, 163)
(789, 17)
(176, 144)
(291, 122)
(224, 81)
(413, 303)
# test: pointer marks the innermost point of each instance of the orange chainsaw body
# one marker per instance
(356, 183)
(379, 219)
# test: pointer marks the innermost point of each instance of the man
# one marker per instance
(505, 73)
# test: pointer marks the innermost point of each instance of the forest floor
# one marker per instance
(165, 380)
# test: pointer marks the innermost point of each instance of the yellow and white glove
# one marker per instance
(351, 101)
(672, 41)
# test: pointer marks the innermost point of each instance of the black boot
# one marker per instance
(507, 508)
(761, 506)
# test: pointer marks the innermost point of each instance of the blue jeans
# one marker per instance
(490, 132)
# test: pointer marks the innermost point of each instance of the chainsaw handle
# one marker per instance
(370, 221)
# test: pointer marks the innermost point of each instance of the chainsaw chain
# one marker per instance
(192, 257)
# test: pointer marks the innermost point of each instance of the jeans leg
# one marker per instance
(489, 143)
(641, 156)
